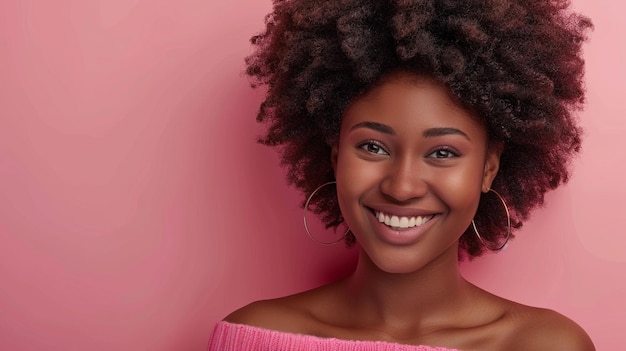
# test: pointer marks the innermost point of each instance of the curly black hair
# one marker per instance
(516, 63)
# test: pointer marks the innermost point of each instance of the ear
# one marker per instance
(492, 165)
(334, 152)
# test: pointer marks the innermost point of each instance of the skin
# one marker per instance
(408, 148)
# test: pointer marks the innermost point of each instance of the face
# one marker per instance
(410, 165)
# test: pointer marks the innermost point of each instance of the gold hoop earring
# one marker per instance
(306, 227)
(508, 226)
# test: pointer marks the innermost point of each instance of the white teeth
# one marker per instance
(402, 222)
(395, 221)
(419, 220)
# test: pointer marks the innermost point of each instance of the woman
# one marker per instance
(426, 131)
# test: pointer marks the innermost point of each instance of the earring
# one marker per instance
(508, 226)
(306, 227)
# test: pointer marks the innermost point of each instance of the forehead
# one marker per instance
(408, 101)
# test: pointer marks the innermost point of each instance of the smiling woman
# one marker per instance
(417, 111)
(406, 152)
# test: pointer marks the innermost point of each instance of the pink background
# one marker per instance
(136, 209)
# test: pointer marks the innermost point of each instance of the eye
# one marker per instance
(373, 147)
(444, 152)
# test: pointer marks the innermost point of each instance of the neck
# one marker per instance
(408, 300)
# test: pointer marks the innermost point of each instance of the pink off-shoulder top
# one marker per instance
(238, 337)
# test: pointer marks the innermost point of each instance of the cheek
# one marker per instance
(356, 178)
(460, 189)
(353, 172)
(347, 179)
(350, 180)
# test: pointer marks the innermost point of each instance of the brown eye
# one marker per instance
(373, 147)
(444, 153)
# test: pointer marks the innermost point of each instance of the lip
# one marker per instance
(400, 236)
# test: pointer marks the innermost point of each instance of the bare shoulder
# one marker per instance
(543, 329)
(273, 314)
(294, 313)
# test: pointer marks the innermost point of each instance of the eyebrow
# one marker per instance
(383, 128)
(435, 132)
(428, 133)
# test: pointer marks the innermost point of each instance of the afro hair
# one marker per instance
(516, 63)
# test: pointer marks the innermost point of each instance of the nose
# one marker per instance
(405, 180)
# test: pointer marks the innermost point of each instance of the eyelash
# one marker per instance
(451, 153)
(375, 143)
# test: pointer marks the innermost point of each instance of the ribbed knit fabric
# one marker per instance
(238, 337)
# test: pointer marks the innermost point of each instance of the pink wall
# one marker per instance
(136, 209)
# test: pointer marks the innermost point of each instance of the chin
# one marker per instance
(398, 263)
(408, 259)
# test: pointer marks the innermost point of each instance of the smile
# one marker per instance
(401, 222)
